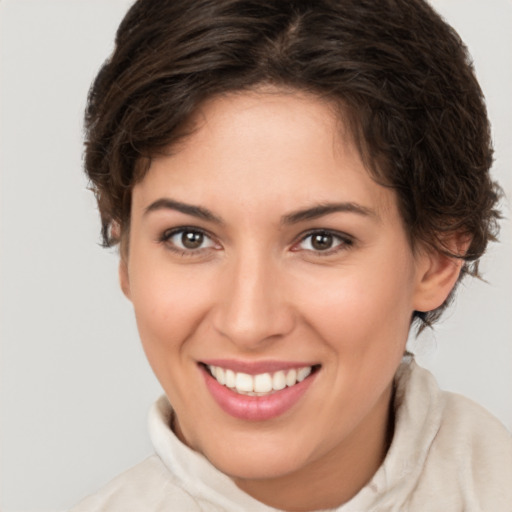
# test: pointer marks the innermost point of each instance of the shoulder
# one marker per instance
(146, 486)
(469, 458)
(478, 443)
(471, 435)
(473, 422)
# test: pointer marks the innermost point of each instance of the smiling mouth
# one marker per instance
(261, 384)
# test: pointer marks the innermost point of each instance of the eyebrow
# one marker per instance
(188, 209)
(295, 217)
(320, 210)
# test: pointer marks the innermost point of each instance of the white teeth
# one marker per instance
(220, 375)
(230, 378)
(263, 383)
(303, 373)
(279, 380)
(244, 382)
(260, 384)
(291, 377)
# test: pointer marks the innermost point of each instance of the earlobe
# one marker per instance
(438, 274)
(124, 279)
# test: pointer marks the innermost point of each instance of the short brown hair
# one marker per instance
(399, 73)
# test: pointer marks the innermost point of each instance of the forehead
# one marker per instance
(268, 147)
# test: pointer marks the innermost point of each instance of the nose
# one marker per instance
(252, 309)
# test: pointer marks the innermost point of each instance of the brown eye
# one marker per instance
(322, 241)
(192, 239)
(187, 240)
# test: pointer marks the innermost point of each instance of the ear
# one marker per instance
(437, 275)
(124, 278)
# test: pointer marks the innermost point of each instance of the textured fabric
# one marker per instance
(448, 454)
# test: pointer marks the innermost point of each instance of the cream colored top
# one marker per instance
(448, 454)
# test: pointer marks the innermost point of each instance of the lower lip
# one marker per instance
(256, 408)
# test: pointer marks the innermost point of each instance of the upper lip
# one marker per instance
(256, 367)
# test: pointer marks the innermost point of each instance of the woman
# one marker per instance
(293, 185)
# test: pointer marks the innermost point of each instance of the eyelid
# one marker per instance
(345, 241)
(169, 233)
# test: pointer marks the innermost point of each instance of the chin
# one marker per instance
(256, 469)
(256, 460)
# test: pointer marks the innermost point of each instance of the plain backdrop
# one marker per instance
(75, 386)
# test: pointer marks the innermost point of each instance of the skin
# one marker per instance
(257, 290)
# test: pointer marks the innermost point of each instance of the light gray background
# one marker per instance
(75, 386)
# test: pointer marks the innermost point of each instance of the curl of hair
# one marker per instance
(401, 76)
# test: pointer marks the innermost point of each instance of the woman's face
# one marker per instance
(261, 251)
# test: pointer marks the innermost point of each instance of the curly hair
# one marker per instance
(401, 76)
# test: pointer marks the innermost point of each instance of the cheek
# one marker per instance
(168, 304)
(360, 309)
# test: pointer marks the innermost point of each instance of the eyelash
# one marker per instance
(166, 236)
(344, 241)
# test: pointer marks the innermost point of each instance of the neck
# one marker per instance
(337, 476)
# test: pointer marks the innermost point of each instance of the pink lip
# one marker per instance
(255, 367)
(256, 408)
